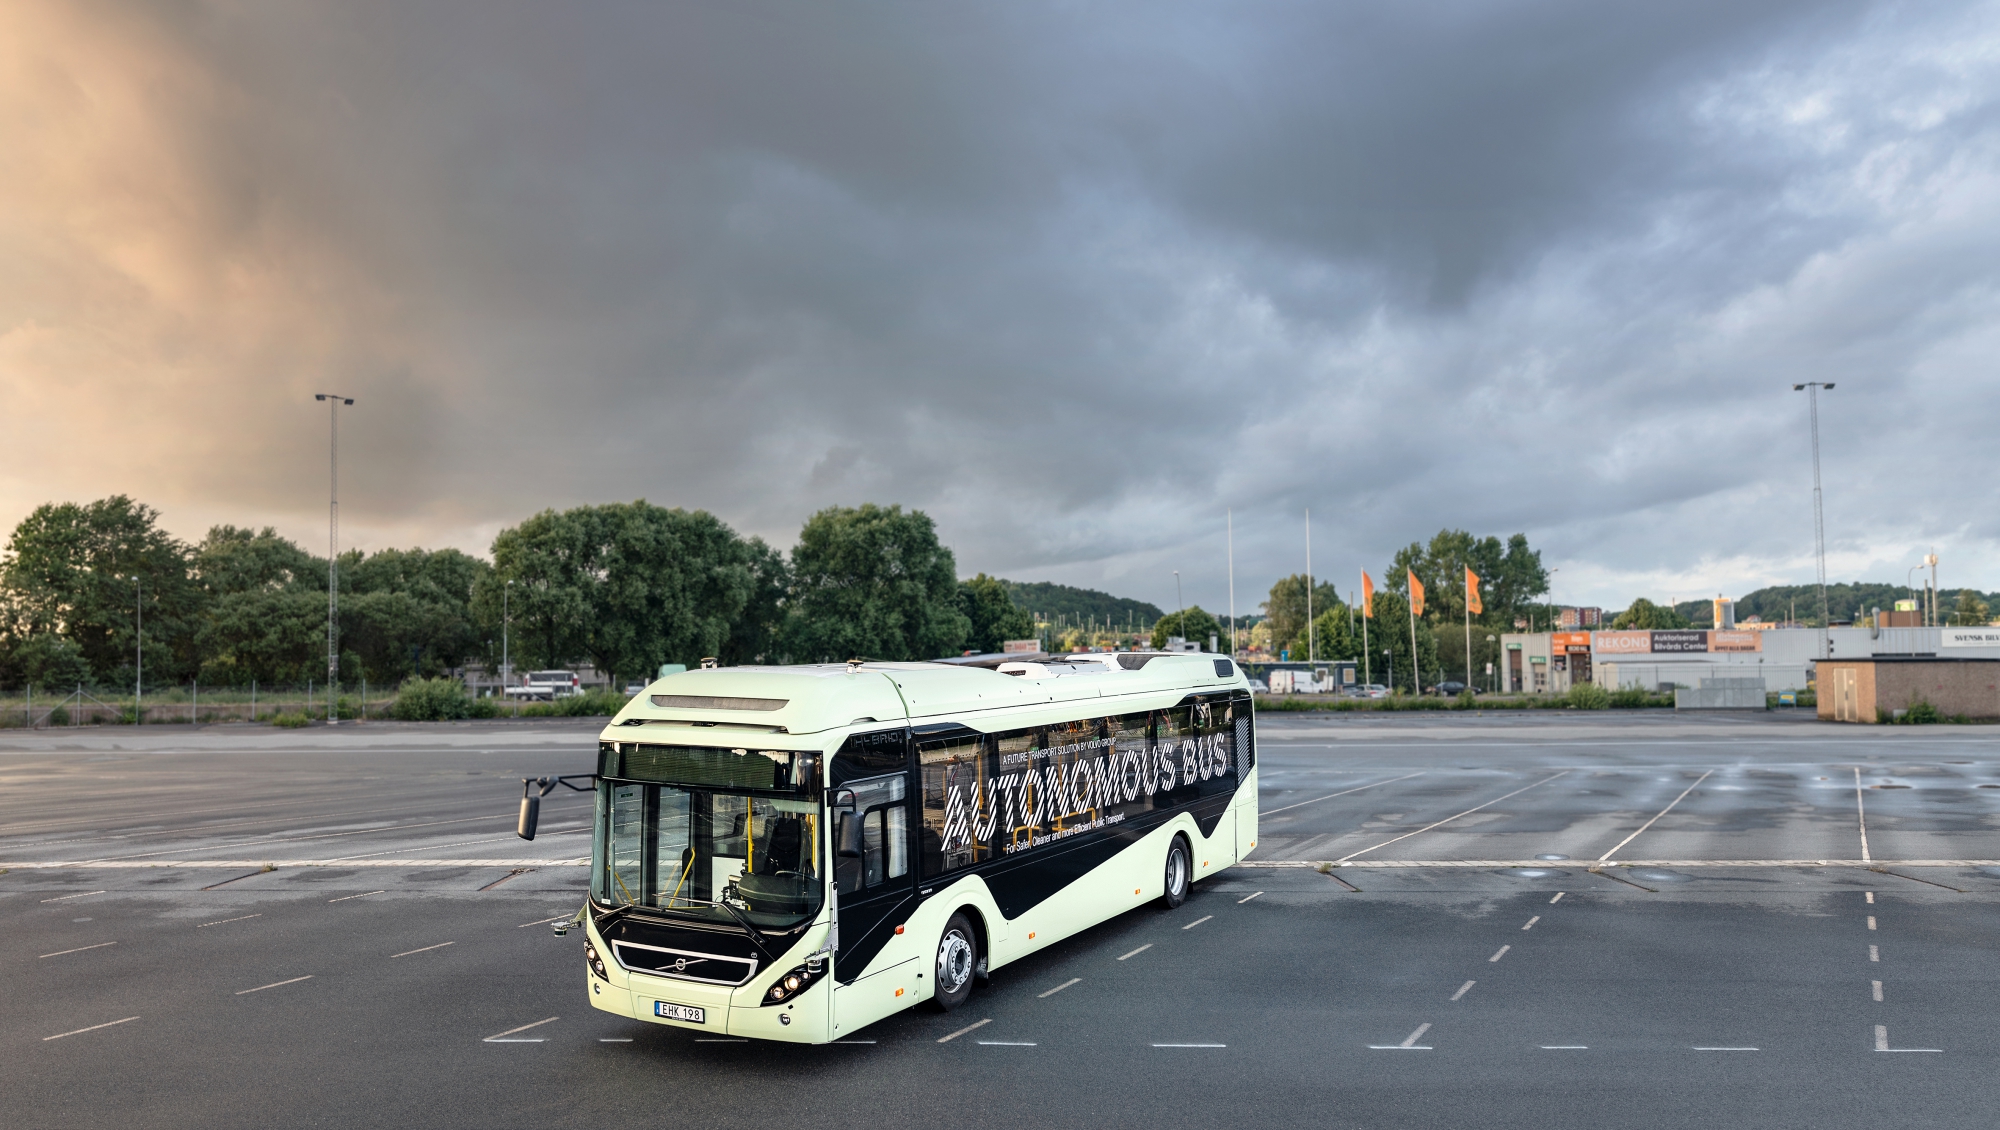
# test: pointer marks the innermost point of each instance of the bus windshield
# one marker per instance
(721, 855)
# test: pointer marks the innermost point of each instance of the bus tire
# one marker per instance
(957, 964)
(1179, 873)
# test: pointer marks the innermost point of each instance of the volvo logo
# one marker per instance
(680, 965)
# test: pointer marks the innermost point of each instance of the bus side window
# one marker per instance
(848, 851)
(885, 837)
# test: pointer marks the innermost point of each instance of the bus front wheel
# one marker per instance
(957, 964)
(1180, 869)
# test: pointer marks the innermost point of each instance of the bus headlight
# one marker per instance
(595, 962)
(795, 982)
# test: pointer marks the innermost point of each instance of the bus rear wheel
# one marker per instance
(957, 964)
(1180, 869)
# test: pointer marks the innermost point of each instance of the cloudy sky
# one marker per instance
(1075, 279)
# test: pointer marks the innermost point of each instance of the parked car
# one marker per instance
(1259, 686)
(1451, 687)
(1369, 690)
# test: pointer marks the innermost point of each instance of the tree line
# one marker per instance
(1512, 579)
(626, 586)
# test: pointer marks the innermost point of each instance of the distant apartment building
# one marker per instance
(1577, 619)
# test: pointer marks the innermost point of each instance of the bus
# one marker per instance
(794, 853)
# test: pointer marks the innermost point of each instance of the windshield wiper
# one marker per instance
(748, 926)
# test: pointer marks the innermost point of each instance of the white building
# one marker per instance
(1552, 662)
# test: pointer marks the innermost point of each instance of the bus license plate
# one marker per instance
(687, 1012)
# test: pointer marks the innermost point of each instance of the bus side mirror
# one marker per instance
(531, 811)
(849, 841)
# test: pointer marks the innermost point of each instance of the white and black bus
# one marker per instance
(792, 853)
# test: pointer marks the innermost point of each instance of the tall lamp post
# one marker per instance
(506, 620)
(1182, 603)
(334, 401)
(139, 643)
(1811, 389)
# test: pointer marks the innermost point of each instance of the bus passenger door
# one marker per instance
(876, 886)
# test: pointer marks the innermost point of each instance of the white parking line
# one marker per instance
(1860, 815)
(1878, 989)
(1463, 989)
(973, 1027)
(1274, 811)
(80, 949)
(1409, 1043)
(362, 895)
(66, 898)
(1006, 1044)
(92, 1028)
(1882, 1042)
(1728, 1049)
(1449, 819)
(275, 984)
(1656, 816)
(501, 1037)
(1059, 988)
(227, 921)
(1137, 952)
(1197, 921)
(426, 949)
(1241, 901)
(1502, 952)
(1531, 922)
(1558, 898)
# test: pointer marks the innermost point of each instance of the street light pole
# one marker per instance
(139, 641)
(506, 620)
(333, 404)
(1811, 389)
(1182, 603)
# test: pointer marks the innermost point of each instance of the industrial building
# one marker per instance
(1785, 658)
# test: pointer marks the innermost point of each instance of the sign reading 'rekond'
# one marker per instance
(1971, 637)
(1623, 643)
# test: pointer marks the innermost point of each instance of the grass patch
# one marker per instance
(295, 721)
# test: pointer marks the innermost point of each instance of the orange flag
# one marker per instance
(1367, 595)
(1416, 595)
(1472, 603)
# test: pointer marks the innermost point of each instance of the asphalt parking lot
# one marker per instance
(1535, 921)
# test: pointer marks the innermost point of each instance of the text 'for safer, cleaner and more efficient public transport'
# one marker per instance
(793, 853)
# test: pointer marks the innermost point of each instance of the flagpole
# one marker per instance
(1312, 641)
(1468, 629)
(1230, 517)
(1416, 669)
(1367, 608)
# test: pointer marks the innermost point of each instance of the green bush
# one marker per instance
(1589, 696)
(594, 703)
(441, 699)
(58, 717)
(295, 721)
(1922, 714)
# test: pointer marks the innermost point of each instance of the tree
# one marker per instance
(994, 616)
(1645, 615)
(1332, 639)
(1194, 626)
(1286, 607)
(68, 571)
(1390, 632)
(873, 582)
(755, 636)
(1971, 610)
(1510, 577)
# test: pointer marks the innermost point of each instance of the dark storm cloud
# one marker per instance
(1073, 279)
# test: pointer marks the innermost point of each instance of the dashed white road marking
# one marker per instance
(1463, 989)
(1136, 952)
(1247, 898)
(66, 898)
(1874, 953)
(275, 984)
(1058, 988)
(1197, 921)
(92, 1028)
(501, 1037)
(227, 921)
(1860, 815)
(1871, 922)
(1531, 922)
(1878, 989)
(1409, 1043)
(1565, 1047)
(426, 949)
(1006, 1044)
(1871, 897)
(1190, 1045)
(79, 949)
(1882, 1042)
(1728, 1049)
(1502, 952)
(972, 1027)
(362, 895)
(614, 1039)
(1558, 898)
